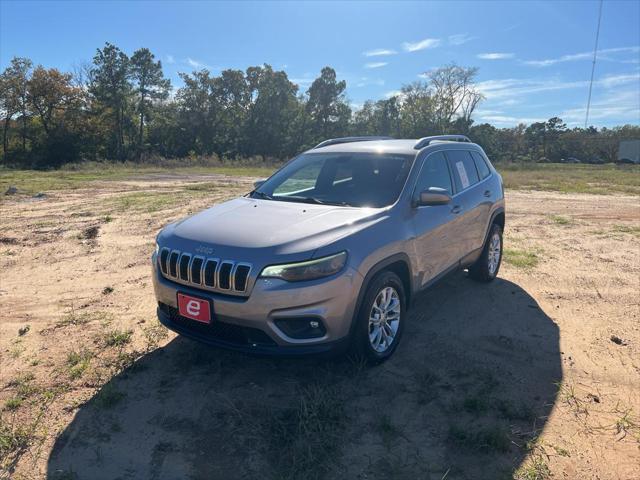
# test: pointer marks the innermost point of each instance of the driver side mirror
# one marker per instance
(433, 196)
(259, 182)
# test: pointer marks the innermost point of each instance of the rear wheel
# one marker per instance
(487, 266)
(380, 320)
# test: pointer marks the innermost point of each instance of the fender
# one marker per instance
(377, 268)
(495, 213)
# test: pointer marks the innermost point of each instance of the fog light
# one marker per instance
(301, 327)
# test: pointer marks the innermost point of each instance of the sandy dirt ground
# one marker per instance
(534, 376)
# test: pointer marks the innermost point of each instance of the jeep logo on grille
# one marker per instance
(204, 250)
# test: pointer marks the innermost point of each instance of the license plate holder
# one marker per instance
(195, 308)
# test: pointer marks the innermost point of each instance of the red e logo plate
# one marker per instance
(194, 308)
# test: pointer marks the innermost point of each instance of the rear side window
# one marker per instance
(434, 173)
(481, 165)
(464, 169)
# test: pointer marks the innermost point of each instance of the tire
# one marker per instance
(486, 268)
(373, 348)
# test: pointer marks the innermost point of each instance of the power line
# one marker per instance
(593, 65)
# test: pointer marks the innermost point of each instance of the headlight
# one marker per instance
(157, 250)
(309, 270)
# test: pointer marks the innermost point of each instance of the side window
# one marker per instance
(464, 169)
(481, 165)
(434, 173)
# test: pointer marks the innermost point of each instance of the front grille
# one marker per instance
(219, 331)
(226, 276)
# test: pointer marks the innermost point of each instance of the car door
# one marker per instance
(468, 200)
(435, 227)
(489, 195)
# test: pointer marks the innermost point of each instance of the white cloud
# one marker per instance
(617, 106)
(421, 45)
(509, 120)
(171, 59)
(197, 64)
(302, 81)
(379, 52)
(393, 93)
(511, 87)
(460, 39)
(375, 64)
(495, 56)
(602, 55)
(366, 81)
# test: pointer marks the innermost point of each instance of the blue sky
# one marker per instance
(534, 58)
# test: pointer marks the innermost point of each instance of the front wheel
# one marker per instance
(487, 266)
(380, 319)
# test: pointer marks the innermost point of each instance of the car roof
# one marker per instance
(403, 146)
(379, 146)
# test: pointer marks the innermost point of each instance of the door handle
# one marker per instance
(456, 209)
(487, 193)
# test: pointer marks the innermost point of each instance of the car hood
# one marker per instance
(282, 227)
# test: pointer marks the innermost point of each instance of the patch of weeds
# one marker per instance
(12, 438)
(632, 229)
(125, 360)
(107, 290)
(17, 348)
(108, 397)
(148, 202)
(568, 395)
(77, 363)
(107, 219)
(24, 385)
(309, 433)
(625, 424)
(201, 187)
(13, 403)
(154, 334)
(512, 411)
(118, 338)
(74, 318)
(23, 330)
(563, 452)
(535, 469)
(560, 220)
(484, 439)
(520, 258)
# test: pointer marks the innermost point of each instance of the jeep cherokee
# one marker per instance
(328, 252)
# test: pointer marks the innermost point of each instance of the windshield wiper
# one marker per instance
(316, 201)
(257, 193)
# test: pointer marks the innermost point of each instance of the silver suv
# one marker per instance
(328, 253)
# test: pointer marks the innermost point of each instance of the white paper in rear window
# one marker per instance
(463, 174)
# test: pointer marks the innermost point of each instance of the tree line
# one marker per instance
(121, 107)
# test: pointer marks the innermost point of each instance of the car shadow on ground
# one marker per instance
(468, 390)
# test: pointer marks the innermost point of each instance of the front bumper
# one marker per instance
(331, 300)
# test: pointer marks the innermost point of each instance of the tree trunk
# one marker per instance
(5, 143)
(24, 132)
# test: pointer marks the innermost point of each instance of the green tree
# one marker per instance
(13, 98)
(150, 86)
(327, 107)
(110, 86)
(272, 113)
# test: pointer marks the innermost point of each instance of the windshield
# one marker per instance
(349, 179)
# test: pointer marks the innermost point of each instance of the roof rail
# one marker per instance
(423, 142)
(336, 141)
